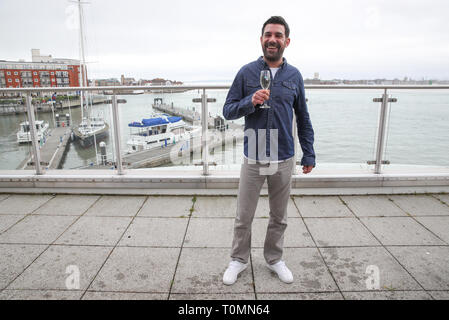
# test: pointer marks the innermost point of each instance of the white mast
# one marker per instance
(83, 59)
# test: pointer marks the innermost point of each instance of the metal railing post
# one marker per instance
(33, 133)
(204, 127)
(117, 140)
(381, 133)
(295, 144)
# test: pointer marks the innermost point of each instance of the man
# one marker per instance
(270, 133)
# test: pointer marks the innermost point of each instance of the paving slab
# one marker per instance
(99, 231)
(3, 196)
(200, 270)
(263, 208)
(23, 203)
(443, 197)
(152, 232)
(428, 265)
(296, 234)
(439, 295)
(400, 231)
(210, 233)
(301, 296)
(420, 205)
(213, 296)
(219, 206)
(95, 295)
(131, 269)
(7, 221)
(387, 295)
(353, 267)
(322, 206)
(40, 295)
(308, 268)
(339, 232)
(116, 206)
(372, 206)
(15, 258)
(70, 205)
(166, 207)
(438, 225)
(37, 230)
(57, 264)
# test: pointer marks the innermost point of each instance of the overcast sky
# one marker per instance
(210, 40)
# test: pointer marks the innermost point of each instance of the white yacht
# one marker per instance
(90, 129)
(159, 131)
(24, 134)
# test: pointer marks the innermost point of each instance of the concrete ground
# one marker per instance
(177, 247)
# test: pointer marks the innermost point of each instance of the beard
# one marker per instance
(272, 56)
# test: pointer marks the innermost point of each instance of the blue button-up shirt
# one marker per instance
(286, 95)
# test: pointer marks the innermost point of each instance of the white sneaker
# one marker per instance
(284, 274)
(233, 270)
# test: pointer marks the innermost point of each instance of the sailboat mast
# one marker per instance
(83, 59)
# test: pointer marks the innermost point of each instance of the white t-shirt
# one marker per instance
(273, 71)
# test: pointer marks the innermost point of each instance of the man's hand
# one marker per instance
(260, 96)
(306, 169)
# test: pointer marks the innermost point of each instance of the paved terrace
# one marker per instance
(177, 247)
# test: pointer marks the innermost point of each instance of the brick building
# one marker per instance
(42, 71)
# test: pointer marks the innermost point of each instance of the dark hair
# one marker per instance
(277, 20)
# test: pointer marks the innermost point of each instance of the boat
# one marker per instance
(91, 129)
(160, 130)
(24, 134)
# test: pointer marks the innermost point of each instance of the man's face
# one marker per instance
(274, 42)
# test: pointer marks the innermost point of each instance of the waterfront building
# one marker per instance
(42, 71)
(106, 82)
(127, 81)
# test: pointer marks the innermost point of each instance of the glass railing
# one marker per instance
(16, 150)
(418, 128)
(182, 128)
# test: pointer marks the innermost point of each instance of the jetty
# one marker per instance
(193, 116)
(183, 151)
(7, 109)
(53, 151)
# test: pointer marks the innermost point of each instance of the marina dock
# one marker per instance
(161, 155)
(191, 115)
(6, 109)
(56, 144)
(53, 151)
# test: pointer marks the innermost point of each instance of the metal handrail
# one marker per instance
(117, 89)
(204, 123)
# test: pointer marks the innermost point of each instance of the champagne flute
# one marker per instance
(265, 80)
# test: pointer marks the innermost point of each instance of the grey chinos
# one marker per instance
(251, 182)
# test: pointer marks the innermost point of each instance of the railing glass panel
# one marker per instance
(83, 147)
(149, 140)
(15, 148)
(418, 131)
(225, 136)
(345, 124)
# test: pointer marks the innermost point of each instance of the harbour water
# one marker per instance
(345, 124)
